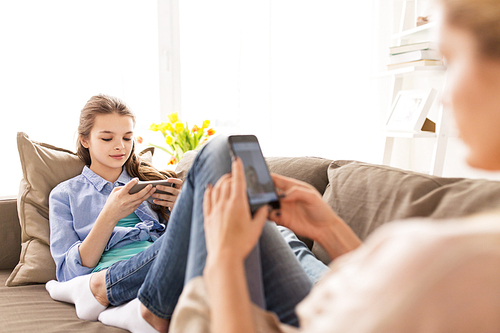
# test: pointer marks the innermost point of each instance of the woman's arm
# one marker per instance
(227, 286)
(304, 211)
(230, 233)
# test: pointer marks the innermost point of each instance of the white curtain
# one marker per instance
(295, 73)
(56, 54)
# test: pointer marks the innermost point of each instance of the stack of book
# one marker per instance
(417, 54)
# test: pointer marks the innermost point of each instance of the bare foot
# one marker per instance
(98, 287)
(159, 324)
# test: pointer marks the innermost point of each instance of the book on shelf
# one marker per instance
(415, 55)
(416, 63)
(413, 47)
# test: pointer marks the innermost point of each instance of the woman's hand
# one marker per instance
(168, 200)
(304, 211)
(229, 227)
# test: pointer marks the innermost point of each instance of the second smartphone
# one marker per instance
(260, 186)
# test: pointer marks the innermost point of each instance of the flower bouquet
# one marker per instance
(179, 138)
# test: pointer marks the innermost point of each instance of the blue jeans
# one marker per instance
(276, 279)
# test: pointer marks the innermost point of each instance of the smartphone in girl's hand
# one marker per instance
(142, 184)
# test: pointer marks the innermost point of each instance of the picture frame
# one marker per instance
(409, 110)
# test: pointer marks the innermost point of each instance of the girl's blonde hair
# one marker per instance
(481, 18)
(101, 105)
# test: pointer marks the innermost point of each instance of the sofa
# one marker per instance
(364, 195)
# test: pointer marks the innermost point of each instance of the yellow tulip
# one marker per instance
(173, 117)
(206, 123)
(169, 127)
(179, 127)
(153, 127)
(163, 127)
(169, 140)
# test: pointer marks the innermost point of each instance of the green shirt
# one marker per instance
(125, 252)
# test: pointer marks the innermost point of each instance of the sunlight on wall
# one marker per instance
(57, 54)
(295, 73)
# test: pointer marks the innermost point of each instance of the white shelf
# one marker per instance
(409, 69)
(415, 31)
(410, 135)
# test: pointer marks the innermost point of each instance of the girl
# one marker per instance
(94, 221)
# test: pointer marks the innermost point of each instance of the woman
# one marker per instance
(412, 277)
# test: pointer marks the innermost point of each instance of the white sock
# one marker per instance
(77, 291)
(127, 316)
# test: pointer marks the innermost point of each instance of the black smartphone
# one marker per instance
(260, 186)
(142, 184)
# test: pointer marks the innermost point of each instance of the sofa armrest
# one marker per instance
(10, 234)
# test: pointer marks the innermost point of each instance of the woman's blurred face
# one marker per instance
(473, 93)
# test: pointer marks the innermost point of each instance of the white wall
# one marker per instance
(56, 54)
(298, 74)
(416, 154)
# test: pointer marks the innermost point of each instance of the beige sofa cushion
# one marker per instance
(367, 195)
(312, 170)
(44, 166)
(10, 234)
(30, 309)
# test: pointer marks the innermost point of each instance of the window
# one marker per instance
(57, 54)
(295, 73)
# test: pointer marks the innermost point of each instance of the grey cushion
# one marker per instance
(367, 196)
(312, 170)
(44, 166)
(30, 309)
(10, 235)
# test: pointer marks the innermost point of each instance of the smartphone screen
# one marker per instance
(260, 186)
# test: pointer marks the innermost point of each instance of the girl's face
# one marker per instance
(473, 93)
(110, 144)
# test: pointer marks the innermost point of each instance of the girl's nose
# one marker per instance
(119, 146)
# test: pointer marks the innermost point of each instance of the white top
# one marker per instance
(413, 276)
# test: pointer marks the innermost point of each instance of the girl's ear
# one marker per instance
(84, 142)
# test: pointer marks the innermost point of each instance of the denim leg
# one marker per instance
(205, 173)
(124, 278)
(285, 281)
(314, 267)
(184, 238)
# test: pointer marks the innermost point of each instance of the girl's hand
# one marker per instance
(121, 203)
(229, 227)
(168, 200)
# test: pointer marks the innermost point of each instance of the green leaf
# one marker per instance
(160, 147)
